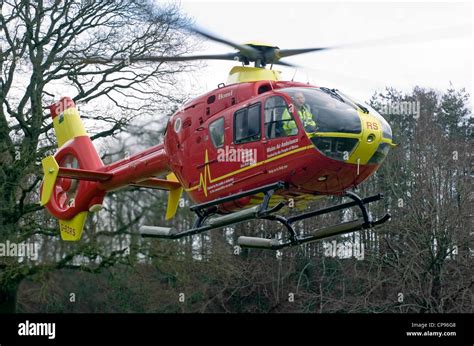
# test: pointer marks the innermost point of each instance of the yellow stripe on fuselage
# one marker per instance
(204, 180)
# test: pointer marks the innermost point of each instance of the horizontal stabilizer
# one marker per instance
(83, 174)
(160, 184)
(52, 171)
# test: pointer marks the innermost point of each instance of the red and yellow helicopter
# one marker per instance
(243, 151)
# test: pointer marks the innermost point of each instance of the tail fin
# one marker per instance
(66, 198)
(174, 196)
(66, 121)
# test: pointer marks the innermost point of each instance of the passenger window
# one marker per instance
(247, 124)
(279, 121)
(216, 130)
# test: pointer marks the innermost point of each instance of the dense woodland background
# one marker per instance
(422, 261)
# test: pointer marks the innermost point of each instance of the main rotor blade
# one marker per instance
(435, 34)
(282, 53)
(100, 60)
(284, 63)
(229, 56)
(245, 50)
(432, 35)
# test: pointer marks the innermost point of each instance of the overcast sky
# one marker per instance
(439, 53)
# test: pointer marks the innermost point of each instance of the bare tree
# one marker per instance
(45, 47)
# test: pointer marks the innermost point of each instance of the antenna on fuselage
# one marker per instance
(294, 75)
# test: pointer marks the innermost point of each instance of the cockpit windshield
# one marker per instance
(324, 110)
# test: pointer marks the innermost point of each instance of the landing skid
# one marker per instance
(208, 219)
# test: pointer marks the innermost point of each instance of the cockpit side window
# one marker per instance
(216, 130)
(247, 124)
(279, 121)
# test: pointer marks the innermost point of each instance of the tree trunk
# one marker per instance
(8, 296)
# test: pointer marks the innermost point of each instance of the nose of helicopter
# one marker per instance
(355, 153)
(353, 137)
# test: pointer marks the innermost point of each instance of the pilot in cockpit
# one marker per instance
(304, 113)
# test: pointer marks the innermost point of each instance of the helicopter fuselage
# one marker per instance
(228, 141)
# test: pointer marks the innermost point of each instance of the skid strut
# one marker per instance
(204, 222)
(346, 227)
(207, 219)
